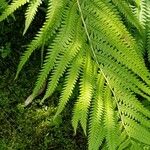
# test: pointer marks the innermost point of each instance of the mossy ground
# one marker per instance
(30, 128)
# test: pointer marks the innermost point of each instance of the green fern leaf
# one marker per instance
(71, 79)
(132, 114)
(116, 68)
(59, 46)
(124, 145)
(136, 131)
(53, 18)
(124, 8)
(148, 30)
(11, 8)
(124, 141)
(30, 13)
(86, 90)
(109, 121)
(96, 132)
(62, 64)
(127, 46)
(136, 146)
(142, 12)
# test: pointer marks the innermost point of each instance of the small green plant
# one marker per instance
(103, 45)
(5, 50)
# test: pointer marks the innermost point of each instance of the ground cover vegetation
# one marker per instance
(96, 55)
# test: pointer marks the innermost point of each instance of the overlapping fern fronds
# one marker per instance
(102, 44)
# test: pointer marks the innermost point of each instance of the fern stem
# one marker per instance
(42, 54)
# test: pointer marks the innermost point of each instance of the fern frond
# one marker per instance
(124, 8)
(130, 100)
(136, 131)
(142, 12)
(12, 7)
(127, 45)
(60, 44)
(136, 146)
(132, 114)
(144, 19)
(63, 61)
(30, 13)
(109, 121)
(116, 68)
(61, 67)
(70, 81)
(86, 91)
(124, 141)
(53, 19)
(148, 42)
(96, 132)
(148, 30)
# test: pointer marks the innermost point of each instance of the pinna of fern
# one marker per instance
(93, 46)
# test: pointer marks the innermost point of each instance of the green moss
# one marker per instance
(32, 127)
